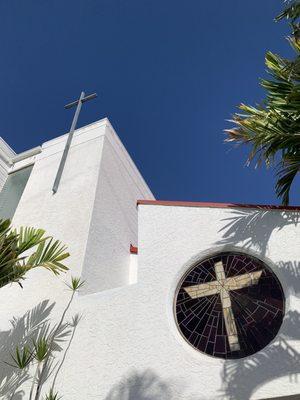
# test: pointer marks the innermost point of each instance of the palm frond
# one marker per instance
(21, 357)
(272, 129)
(29, 237)
(49, 254)
(52, 395)
(41, 348)
(287, 170)
(291, 12)
(76, 283)
(16, 259)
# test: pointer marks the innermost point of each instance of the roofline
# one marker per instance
(215, 205)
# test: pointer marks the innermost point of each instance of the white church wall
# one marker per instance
(133, 269)
(129, 336)
(65, 215)
(68, 216)
(127, 345)
(24, 159)
(94, 210)
(114, 220)
(171, 239)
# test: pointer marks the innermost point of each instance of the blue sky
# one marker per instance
(168, 74)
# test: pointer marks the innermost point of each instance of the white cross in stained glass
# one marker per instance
(223, 286)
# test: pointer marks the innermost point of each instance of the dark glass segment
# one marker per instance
(12, 191)
(233, 308)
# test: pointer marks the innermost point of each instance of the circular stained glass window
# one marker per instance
(229, 306)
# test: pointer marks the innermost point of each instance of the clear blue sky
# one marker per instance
(168, 74)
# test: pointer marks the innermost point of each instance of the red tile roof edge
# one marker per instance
(215, 205)
(133, 249)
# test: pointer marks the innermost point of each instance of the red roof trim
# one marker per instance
(133, 249)
(215, 205)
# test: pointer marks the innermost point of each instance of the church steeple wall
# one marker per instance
(114, 220)
(94, 210)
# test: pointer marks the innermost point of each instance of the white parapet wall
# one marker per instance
(94, 210)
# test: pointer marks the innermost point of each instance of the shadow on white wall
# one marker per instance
(140, 386)
(32, 326)
(241, 378)
(25, 329)
(253, 227)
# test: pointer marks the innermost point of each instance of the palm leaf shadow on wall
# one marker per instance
(252, 229)
(26, 330)
(144, 385)
(23, 330)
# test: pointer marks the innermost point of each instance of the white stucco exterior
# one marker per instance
(94, 207)
(127, 345)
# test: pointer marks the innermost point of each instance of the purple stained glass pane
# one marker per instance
(230, 305)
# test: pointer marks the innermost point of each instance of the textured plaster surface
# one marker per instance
(114, 219)
(170, 240)
(127, 345)
(130, 337)
(91, 177)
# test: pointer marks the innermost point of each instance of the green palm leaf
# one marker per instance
(15, 256)
(52, 395)
(272, 129)
(29, 237)
(21, 357)
(49, 254)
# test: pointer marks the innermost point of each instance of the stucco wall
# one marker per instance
(129, 336)
(114, 221)
(192, 233)
(89, 173)
(126, 345)
(66, 214)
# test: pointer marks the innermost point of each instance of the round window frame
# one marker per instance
(208, 255)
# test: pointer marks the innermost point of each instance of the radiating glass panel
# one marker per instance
(230, 305)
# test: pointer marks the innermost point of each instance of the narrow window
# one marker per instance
(12, 191)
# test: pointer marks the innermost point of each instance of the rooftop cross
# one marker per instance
(78, 103)
(223, 286)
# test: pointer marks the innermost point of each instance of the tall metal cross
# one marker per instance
(82, 99)
(223, 286)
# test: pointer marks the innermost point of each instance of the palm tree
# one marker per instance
(16, 259)
(273, 129)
